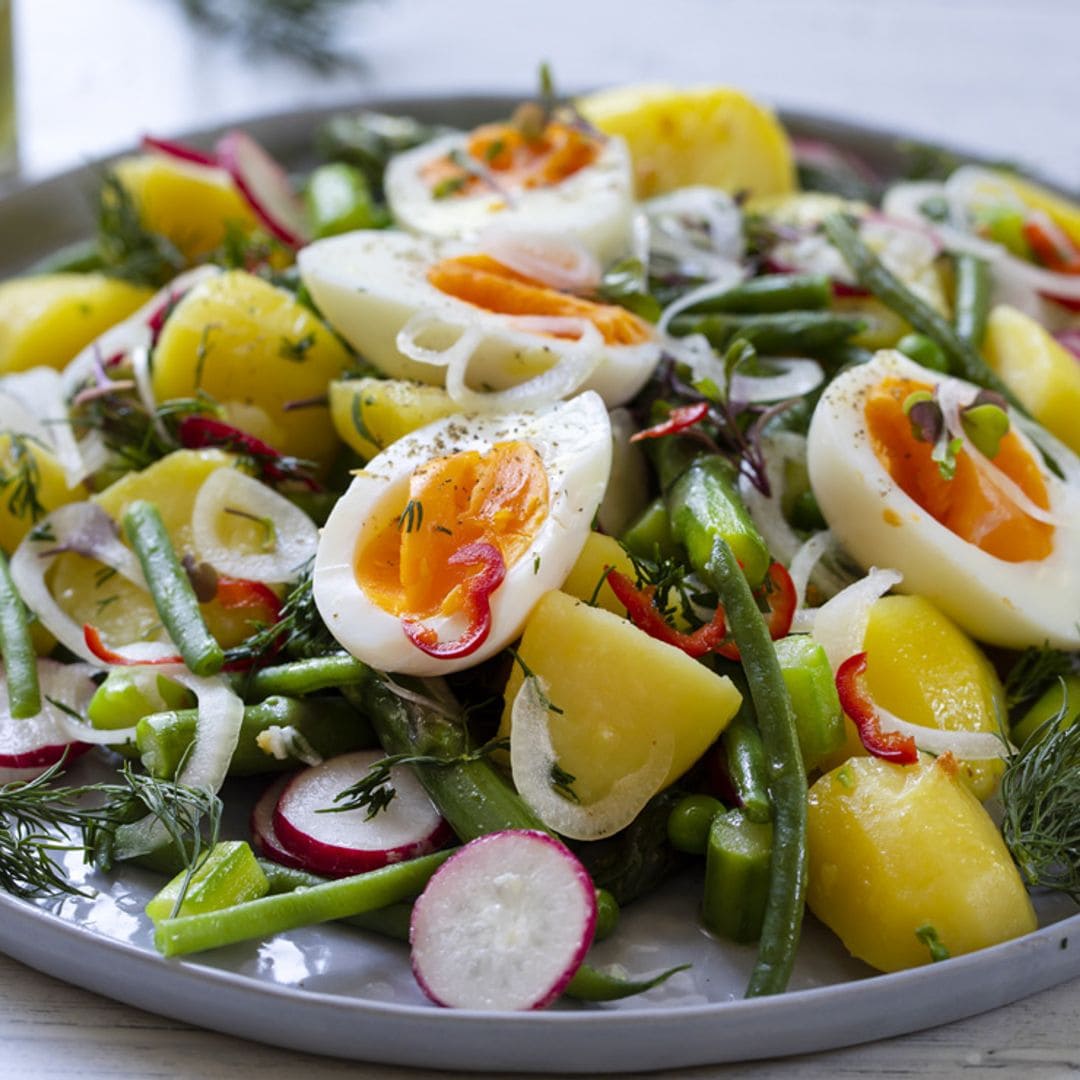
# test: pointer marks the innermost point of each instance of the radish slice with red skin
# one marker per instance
(178, 150)
(263, 837)
(503, 924)
(265, 185)
(348, 842)
(28, 747)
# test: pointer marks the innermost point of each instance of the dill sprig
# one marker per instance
(375, 791)
(20, 478)
(1040, 794)
(128, 249)
(1034, 671)
(39, 819)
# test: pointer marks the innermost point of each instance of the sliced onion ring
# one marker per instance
(801, 569)
(796, 377)
(295, 535)
(532, 756)
(560, 262)
(217, 731)
(579, 360)
(840, 625)
(964, 745)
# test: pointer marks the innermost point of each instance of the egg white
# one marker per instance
(595, 204)
(1015, 604)
(573, 440)
(368, 285)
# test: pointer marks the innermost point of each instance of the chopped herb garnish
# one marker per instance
(928, 935)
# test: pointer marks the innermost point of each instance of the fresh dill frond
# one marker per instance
(1034, 671)
(128, 249)
(20, 477)
(1040, 796)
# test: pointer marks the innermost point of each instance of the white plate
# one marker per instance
(334, 990)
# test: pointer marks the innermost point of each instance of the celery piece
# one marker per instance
(129, 694)
(230, 874)
(810, 683)
(1048, 706)
(736, 876)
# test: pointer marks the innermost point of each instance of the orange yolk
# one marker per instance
(968, 504)
(500, 498)
(487, 284)
(517, 162)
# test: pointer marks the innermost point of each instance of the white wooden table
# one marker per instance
(995, 76)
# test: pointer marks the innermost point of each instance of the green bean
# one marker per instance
(591, 984)
(746, 766)
(305, 676)
(304, 907)
(607, 914)
(171, 589)
(329, 725)
(779, 333)
(964, 359)
(20, 659)
(973, 285)
(787, 778)
(771, 293)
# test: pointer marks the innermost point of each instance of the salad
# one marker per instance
(544, 509)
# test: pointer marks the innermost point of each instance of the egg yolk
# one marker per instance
(969, 505)
(517, 161)
(500, 498)
(482, 281)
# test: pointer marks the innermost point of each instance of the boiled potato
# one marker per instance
(369, 414)
(1040, 371)
(192, 205)
(32, 484)
(924, 668)
(46, 321)
(599, 555)
(895, 850)
(710, 135)
(620, 693)
(123, 612)
(253, 348)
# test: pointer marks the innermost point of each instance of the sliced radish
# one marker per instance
(263, 837)
(178, 150)
(265, 185)
(29, 747)
(503, 924)
(349, 842)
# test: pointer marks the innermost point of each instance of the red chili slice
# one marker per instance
(782, 600)
(645, 616)
(200, 432)
(476, 606)
(681, 418)
(890, 746)
(239, 592)
(1052, 247)
(92, 637)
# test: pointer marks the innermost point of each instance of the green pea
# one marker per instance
(924, 351)
(688, 824)
(607, 914)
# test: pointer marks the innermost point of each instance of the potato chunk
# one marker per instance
(254, 349)
(619, 692)
(896, 849)
(46, 321)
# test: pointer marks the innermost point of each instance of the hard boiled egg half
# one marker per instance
(406, 563)
(996, 545)
(457, 316)
(561, 179)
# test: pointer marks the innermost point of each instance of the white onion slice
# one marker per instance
(953, 395)
(802, 567)
(295, 535)
(778, 448)
(840, 625)
(532, 757)
(962, 744)
(140, 368)
(560, 262)
(579, 360)
(32, 403)
(67, 684)
(217, 731)
(699, 229)
(718, 285)
(627, 493)
(796, 377)
(72, 686)
(79, 525)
